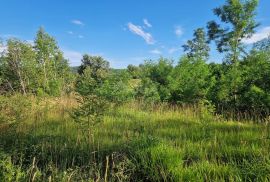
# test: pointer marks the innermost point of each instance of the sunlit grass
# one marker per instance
(135, 143)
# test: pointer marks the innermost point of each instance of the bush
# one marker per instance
(8, 171)
(14, 109)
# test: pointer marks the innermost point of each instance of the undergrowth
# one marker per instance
(133, 143)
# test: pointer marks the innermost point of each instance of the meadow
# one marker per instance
(133, 142)
(202, 114)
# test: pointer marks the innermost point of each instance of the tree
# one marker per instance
(19, 66)
(134, 71)
(190, 81)
(65, 76)
(230, 87)
(263, 45)
(256, 96)
(92, 74)
(1, 65)
(88, 114)
(92, 104)
(85, 83)
(191, 78)
(155, 79)
(98, 65)
(55, 74)
(198, 47)
(240, 17)
(116, 88)
(48, 55)
(148, 91)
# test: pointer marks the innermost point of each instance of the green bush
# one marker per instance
(14, 109)
(8, 171)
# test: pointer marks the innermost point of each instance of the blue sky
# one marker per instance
(122, 31)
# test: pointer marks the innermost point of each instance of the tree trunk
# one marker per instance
(45, 75)
(22, 82)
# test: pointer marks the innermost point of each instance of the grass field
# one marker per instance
(134, 143)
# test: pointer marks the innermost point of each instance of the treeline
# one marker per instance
(235, 90)
(238, 86)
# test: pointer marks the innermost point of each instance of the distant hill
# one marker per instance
(74, 69)
(116, 70)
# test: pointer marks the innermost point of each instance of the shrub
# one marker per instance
(14, 109)
(8, 171)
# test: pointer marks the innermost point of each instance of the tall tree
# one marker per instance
(47, 53)
(19, 65)
(55, 73)
(198, 47)
(239, 14)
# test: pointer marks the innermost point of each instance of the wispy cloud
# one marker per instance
(75, 35)
(156, 51)
(178, 31)
(138, 30)
(260, 35)
(146, 23)
(173, 50)
(77, 22)
(8, 36)
(70, 32)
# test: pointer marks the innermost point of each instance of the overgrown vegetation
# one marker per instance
(189, 120)
(135, 143)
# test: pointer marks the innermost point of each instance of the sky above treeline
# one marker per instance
(122, 31)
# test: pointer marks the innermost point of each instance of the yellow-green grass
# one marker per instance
(134, 143)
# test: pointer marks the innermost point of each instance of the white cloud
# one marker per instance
(146, 23)
(156, 51)
(77, 22)
(178, 31)
(139, 31)
(70, 32)
(260, 35)
(80, 36)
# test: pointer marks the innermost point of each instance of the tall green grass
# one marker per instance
(134, 143)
